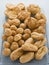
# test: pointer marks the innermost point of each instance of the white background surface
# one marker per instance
(44, 4)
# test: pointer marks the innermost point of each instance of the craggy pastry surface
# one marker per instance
(30, 22)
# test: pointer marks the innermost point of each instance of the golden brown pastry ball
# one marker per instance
(40, 15)
(17, 37)
(21, 6)
(8, 32)
(21, 42)
(23, 25)
(13, 27)
(33, 8)
(6, 52)
(9, 21)
(14, 46)
(4, 37)
(6, 25)
(10, 39)
(16, 22)
(28, 31)
(23, 15)
(6, 44)
(20, 30)
(14, 32)
(26, 36)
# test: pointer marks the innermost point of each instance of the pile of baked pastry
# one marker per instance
(24, 33)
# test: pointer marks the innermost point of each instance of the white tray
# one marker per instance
(44, 4)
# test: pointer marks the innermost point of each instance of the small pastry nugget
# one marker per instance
(16, 22)
(6, 44)
(6, 52)
(21, 6)
(29, 40)
(29, 47)
(21, 42)
(33, 8)
(37, 36)
(20, 30)
(26, 36)
(40, 29)
(16, 54)
(42, 22)
(4, 37)
(40, 43)
(13, 27)
(8, 32)
(13, 32)
(6, 25)
(23, 25)
(28, 31)
(27, 57)
(9, 21)
(14, 46)
(10, 39)
(23, 15)
(40, 16)
(32, 23)
(17, 37)
(10, 14)
(41, 53)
